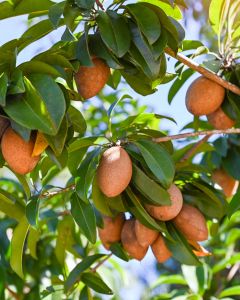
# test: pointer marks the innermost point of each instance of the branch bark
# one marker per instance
(101, 263)
(207, 73)
(196, 133)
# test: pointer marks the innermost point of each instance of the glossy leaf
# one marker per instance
(3, 88)
(94, 281)
(32, 210)
(77, 120)
(84, 216)
(117, 249)
(158, 161)
(32, 240)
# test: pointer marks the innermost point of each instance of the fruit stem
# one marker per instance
(207, 73)
(196, 133)
(99, 4)
(101, 263)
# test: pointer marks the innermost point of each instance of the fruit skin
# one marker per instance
(130, 242)
(18, 153)
(114, 172)
(111, 232)
(90, 80)
(191, 222)
(4, 124)
(204, 96)
(228, 184)
(145, 236)
(160, 250)
(167, 212)
(219, 120)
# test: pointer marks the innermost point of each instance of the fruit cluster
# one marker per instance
(113, 176)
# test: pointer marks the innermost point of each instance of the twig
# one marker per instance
(194, 148)
(99, 4)
(196, 133)
(101, 263)
(207, 73)
(12, 293)
(52, 194)
(233, 271)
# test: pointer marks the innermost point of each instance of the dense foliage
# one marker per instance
(49, 217)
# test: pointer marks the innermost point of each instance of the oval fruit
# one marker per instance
(111, 232)
(160, 250)
(191, 222)
(228, 184)
(18, 153)
(204, 96)
(114, 172)
(145, 236)
(4, 124)
(130, 242)
(167, 212)
(219, 120)
(90, 80)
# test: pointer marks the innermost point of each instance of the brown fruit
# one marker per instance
(130, 242)
(145, 236)
(167, 212)
(219, 120)
(204, 96)
(111, 232)
(228, 184)
(18, 153)
(114, 172)
(90, 80)
(4, 124)
(160, 249)
(191, 222)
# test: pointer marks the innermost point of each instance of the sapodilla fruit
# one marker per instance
(167, 212)
(228, 184)
(114, 172)
(204, 96)
(4, 124)
(145, 236)
(160, 250)
(219, 120)
(192, 224)
(111, 232)
(90, 80)
(18, 153)
(130, 242)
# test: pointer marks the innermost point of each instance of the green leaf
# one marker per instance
(178, 83)
(158, 161)
(135, 207)
(17, 246)
(22, 179)
(16, 83)
(33, 238)
(3, 88)
(75, 275)
(32, 210)
(57, 142)
(38, 67)
(234, 204)
(77, 120)
(11, 209)
(36, 111)
(117, 249)
(55, 13)
(168, 279)
(114, 32)
(82, 142)
(215, 14)
(84, 216)
(86, 4)
(180, 248)
(232, 291)
(9, 9)
(94, 281)
(149, 188)
(82, 50)
(147, 21)
(85, 294)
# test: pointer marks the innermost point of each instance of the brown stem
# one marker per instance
(99, 4)
(207, 73)
(194, 148)
(101, 263)
(12, 293)
(197, 133)
(52, 194)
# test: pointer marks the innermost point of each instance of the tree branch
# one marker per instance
(62, 190)
(196, 133)
(12, 293)
(101, 263)
(194, 148)
(99, 4)
(207, 73)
